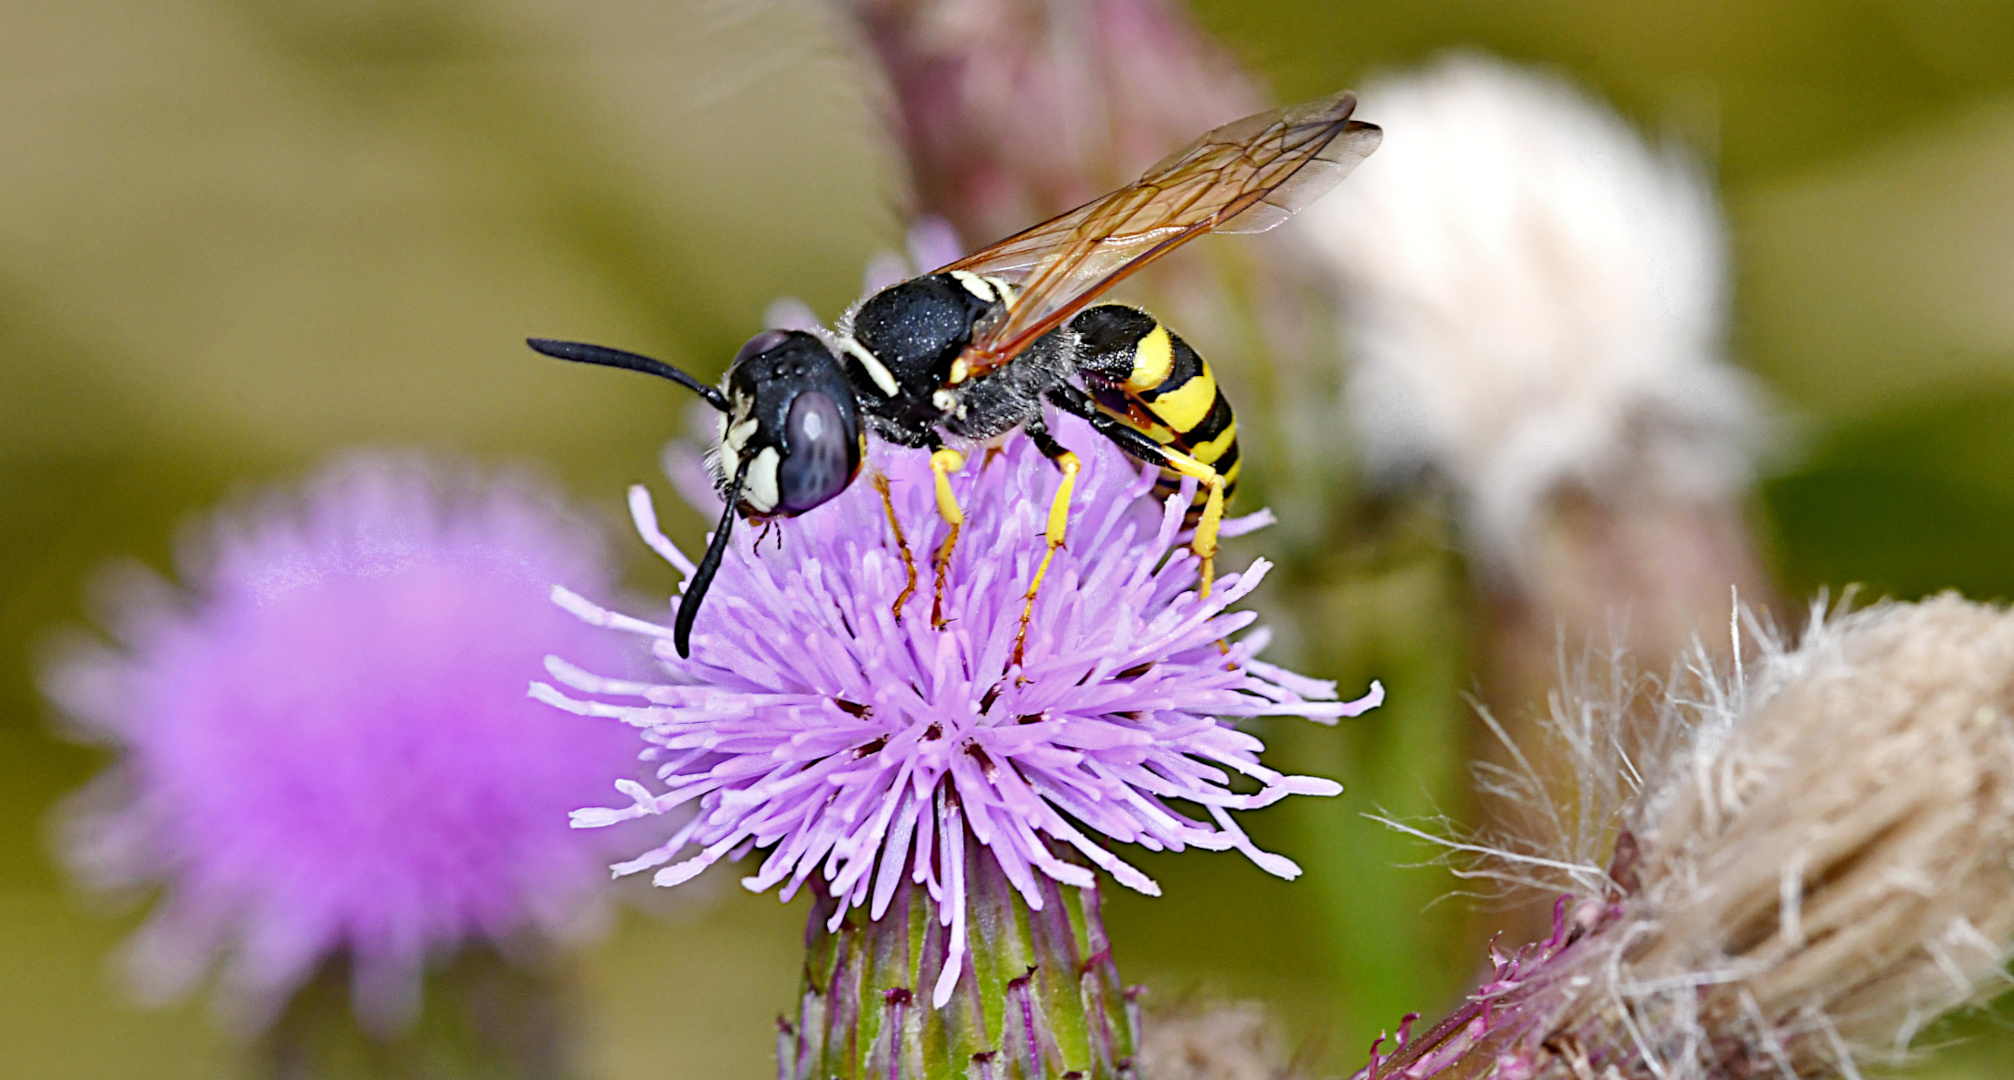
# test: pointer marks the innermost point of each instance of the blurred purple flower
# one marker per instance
(323, 748)
(813, 723)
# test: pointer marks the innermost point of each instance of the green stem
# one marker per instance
(1037, 998)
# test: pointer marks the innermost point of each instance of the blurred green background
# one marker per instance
(236, 236)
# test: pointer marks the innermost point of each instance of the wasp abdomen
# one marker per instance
(1148, 378)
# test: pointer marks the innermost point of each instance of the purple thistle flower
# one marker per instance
(322, 750)
(811, 722)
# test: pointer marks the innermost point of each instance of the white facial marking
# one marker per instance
(876, 370)
(945, 400)
(758, 487)
(976, 285)
(736, 436)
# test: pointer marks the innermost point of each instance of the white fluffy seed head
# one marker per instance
(1537, 299)
(1818, 852)
(1846, 842)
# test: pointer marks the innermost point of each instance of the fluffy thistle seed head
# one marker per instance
(1537, 299)
(860, 748)
(1820, 864)
(321, 747)
(1841, 838)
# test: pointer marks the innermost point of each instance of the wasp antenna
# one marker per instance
(582, 353)
(702, 576)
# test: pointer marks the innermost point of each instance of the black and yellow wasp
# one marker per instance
(976, 349)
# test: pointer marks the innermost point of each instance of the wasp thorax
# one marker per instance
(907, 339)
(920, 326)
(792, 440)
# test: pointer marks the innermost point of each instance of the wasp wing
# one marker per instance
(1247, 176)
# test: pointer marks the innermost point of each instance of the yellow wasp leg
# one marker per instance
(1204, 544)
(1059, 523)
(944, 462)
(901, 544)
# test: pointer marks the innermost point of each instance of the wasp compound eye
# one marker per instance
(761, 343)
(822, 453)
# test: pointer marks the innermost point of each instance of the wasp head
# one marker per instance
(791, 438)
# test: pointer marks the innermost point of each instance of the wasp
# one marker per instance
(965, 354)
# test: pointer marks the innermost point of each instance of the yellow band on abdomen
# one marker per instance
(1153, 360)
(1209, 452)
(1185, 406)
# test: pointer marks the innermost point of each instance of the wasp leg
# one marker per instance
(944, 462)
(901, 544)
(1204, 542)
(1059, 521)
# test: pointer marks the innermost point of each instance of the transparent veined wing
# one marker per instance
(1247, 176)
